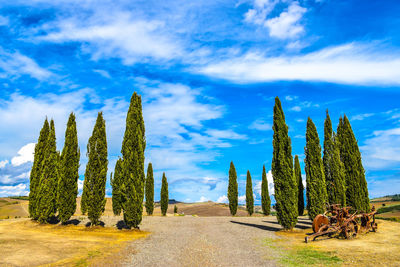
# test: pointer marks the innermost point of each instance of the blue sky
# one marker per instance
(208, 72)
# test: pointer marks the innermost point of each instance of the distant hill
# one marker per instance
(395, 197)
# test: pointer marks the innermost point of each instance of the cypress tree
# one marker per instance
(316, 186)
(47, 193)
(69, 167)
(232, 190)
(265, 199)
(356, 184)
(149, 190)
(249, 195)
(164, 195)
(116, 184)
(37, 169)
(133, 147)
(333, 167)
(96, 172)
(300, 187)
(282, 171)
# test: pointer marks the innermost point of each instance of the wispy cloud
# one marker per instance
(15, 64)
(353, 63)
(361, 117)
(380, 152)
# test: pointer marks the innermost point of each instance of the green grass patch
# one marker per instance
(392, 219)
(20, 197)
(291, 255)
(307, 256)
(388, 209)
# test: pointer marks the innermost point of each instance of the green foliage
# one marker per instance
(150, 190)
(20, 197)
(69, 167)
(249, 195)
(391, 208)
(164, 195)
(46, 200)
(333, 167)
(232, 190)
(94, 189)
(133, 147)
(300, 187)
(175, 209)
(116, 184)
(315, 177)
(265, 199)
(282, 171)
(356, 184)
(37, 169)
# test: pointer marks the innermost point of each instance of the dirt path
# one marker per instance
(204, 241)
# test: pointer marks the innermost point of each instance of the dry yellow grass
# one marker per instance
(371, 249)
(26, 243)
(12, 208)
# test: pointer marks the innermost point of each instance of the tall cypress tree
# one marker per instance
(300, 187)
(164, 195)
(37, 169)
(249, 195)
(265, 199)
(94, 189)
(232, 190)
(149, 190)
(116, 184)
(133, 147)
(315, 177)
(282, 171)
(69, 167)
(356, 184)
(333, 167)
(46, 201)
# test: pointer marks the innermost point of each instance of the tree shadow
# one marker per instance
(262, 227)
(121, 225)
(299, 226)
(102, 224)
(53, 220)
(73, 221)
(305, 221)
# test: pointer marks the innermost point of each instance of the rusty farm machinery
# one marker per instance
(340, 221)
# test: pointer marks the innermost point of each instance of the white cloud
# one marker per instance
(25, 154)
(202, 199)
(222, 199)
(3, 163)
(261, 9)
(261, 125)
(242, 199)
(14, 190)
(287, 25)
(379, 151)
(16, 64)
(115, 34)
(80, 185)
(103, 73)
(353, 63)
(291, 97)
(296, 108)
(361, 117)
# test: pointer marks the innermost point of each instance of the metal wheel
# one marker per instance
(319, 221)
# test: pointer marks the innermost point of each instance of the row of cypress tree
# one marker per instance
(336, 178)
(233, 192)
(54, 177)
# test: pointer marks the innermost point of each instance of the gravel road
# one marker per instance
(204, 241)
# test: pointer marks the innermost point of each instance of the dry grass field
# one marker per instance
(26, 243)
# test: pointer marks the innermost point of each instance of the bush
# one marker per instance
(175, 209)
